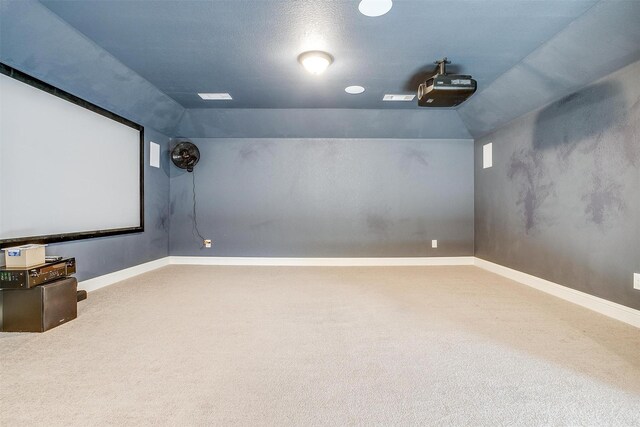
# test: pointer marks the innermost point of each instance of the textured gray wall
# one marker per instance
(322, 123)
(326, 198)
(37, 42)
(602, 40)
(562, 201)
(96, 257)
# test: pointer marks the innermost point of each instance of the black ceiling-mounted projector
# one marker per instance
(445, 90)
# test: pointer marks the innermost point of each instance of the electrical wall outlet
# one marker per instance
(434, 243)
(636, 281)
(207, 243)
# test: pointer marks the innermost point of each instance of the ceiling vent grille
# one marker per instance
(391, 97)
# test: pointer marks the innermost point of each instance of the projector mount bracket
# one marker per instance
(441, 66)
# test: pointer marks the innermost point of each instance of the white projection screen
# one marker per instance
(68, 169)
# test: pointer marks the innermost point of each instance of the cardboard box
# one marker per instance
(24, 256)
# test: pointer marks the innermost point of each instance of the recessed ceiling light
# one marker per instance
(315, 61)
(375, 8)
(215, 96)
(354, 90)
(391, 97)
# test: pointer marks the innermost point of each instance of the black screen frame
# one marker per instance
(65, 237)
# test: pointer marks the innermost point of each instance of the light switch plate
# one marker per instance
(434, 243)
(636, 281)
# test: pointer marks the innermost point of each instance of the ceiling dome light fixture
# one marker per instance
(375, 8)
(354, 90)
(315, 61)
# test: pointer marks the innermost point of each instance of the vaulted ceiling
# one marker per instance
(523, 53)
(249, 48)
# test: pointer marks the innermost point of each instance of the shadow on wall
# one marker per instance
(579, 120)
(582, 115)
(529, 172)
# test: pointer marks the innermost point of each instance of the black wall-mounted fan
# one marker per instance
(185, 155)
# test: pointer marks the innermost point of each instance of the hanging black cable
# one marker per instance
(194, 228)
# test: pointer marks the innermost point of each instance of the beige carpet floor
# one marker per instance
(199, 345)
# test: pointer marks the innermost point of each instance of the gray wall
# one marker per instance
(602, 40)
(322, 123)
(562, 201)
(35, 41)
(326, 198)
(96, 257)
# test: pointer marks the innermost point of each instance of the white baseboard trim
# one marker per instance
(611, 309)
(322, 262)
(117, 276)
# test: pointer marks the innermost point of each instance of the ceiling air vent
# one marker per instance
(391, 97)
